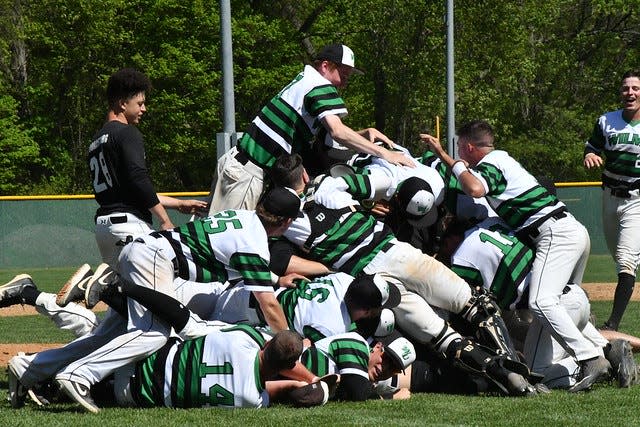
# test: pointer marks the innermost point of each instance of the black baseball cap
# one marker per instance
(339, 54)
(417, 201)
(373, 291)
(282, 201)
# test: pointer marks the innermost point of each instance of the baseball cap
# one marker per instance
(386, 324)
(417, 202)
(282, 201)
(339, 54)
(373, 291)
(399, 350)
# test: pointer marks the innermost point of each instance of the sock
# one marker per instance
(624, 289)
(29, 295)
(165, 307)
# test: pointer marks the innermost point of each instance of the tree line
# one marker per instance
(540, 72)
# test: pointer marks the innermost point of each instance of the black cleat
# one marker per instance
(11, 292)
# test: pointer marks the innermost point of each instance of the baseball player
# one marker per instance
(410, 221)
(321, 307)
(488, 256)
(616, 134)
(229, 368)
(361, 367)
(341, 352)
(334, 231)
(119, 175)
(306, 108)
(456, 202)
(232, 245)
(561, 242)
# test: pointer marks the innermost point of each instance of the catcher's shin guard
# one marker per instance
(483, 313)
(470, 357)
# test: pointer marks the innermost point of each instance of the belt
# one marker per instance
(623, 193)
(566, 290)
(118, 219)
(533, 230)
(241, 157)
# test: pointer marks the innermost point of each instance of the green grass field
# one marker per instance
(606, 405)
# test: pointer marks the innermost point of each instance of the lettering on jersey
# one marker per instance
(623, 138)
(96, 143)
(320, 217)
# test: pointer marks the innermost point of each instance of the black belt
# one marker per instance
(566, 290)
(118, 219)
(623, 193)
(532, 231)
(241, 157)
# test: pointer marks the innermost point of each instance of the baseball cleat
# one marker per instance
(75, 287)
(79, 393)
(622, 361)
(591, 371)
(11, 292)
(17, 392)
(101, 279)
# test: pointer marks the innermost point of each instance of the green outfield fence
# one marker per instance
(57, 231)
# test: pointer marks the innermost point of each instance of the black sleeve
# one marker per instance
(281, 251)
(134, 159)
(355, 388)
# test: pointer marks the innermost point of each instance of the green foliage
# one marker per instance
(541, 72)
(19, 152)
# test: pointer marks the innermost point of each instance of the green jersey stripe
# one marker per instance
(468, 274)
(253, 269)
(494, 177)
(250, 331)
(359, 186)
(316, 361)
(517, 210)
(312, 333)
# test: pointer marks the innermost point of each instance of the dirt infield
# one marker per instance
(596, 291)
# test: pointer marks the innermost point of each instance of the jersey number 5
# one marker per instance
(222, 220)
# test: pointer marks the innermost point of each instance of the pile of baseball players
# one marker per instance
(331, 264)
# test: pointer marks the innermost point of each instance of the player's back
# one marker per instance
(316, 309)
(219, 369)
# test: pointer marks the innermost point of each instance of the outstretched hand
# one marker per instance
(192, 206)
(398, 158)
(432, 143)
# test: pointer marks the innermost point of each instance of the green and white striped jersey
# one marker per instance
(229, 245)
(455, 200)
(219, 369)
(344, 354)
(619, 140)
(290, 120)
(334, 231)
(513, 193)
(316, 309)
(492, 258)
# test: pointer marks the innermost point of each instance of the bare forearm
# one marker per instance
(272, 311)
(164, 222)
(306, 267)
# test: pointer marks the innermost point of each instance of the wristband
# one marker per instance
(458, 168)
